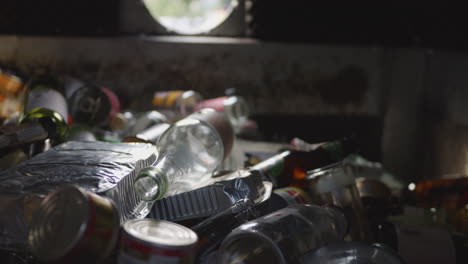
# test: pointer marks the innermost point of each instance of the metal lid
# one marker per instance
(164, 233)
(221, 124)
(59, 223)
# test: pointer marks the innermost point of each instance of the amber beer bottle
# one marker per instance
(289, 167)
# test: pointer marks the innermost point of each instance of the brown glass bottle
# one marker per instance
(289, 168)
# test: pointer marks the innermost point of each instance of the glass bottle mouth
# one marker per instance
(248, 247)
(55, 124)
(151, 184)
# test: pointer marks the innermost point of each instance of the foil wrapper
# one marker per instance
(108, 169)
(95, 166)
(218, 195)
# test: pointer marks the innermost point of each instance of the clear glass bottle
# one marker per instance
(283, 236)
(214, 229)
(191, 148)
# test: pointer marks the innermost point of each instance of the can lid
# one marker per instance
(161, 232)
(221, 124)
(59, 223)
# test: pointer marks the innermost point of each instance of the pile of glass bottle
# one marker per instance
(327, 204)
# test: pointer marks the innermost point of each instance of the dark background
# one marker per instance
(391, 24)
(418, 127)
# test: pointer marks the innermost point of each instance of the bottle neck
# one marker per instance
(274, 166)
(52, 121)
(151, 184)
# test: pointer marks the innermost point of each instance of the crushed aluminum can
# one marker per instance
(220, 195)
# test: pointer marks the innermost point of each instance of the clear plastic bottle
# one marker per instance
(190, 149)
(283, 236)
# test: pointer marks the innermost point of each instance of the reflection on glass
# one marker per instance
(190, 16)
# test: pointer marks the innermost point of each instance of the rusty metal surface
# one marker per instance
(283, 78)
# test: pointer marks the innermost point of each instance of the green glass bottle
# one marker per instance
(46, 104)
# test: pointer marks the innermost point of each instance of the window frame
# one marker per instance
(136, 19)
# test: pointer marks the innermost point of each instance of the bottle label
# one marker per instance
(293, 195)
(166, 99)
(114, 101)
(135, 251)
(48, 99)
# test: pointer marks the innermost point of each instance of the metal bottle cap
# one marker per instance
(59, 223)
(221, 123)
(162, 233)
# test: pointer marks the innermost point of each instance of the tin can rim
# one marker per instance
(134, 235)
(40, 248)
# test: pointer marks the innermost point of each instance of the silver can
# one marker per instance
(74, 226)
(156, 241)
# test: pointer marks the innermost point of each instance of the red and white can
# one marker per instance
(156, 241)
(293, 195)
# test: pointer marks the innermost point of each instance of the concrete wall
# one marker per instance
(291, 78)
